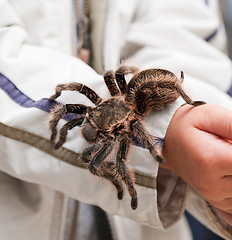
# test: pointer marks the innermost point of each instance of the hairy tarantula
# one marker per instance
(116, 121)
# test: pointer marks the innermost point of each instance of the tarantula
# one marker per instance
(116, 121)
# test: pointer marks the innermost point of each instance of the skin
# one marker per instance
(198, 147)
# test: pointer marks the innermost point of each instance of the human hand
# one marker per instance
(198, 148)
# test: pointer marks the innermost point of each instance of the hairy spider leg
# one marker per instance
(120, 76)
(108, 171)
(83, 89)
(182, 93)
(96, 153)
(91, 151)
(148, 140)
(68, 126)
(109, 78)
(125, 173)
(88, 152)
(178, 86)
(104, 150)
(58, 111)
(105, 170)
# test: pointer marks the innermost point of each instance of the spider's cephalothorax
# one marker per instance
(116, 122)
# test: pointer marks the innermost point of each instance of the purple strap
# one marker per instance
(24, 101)
(230, 91)
(44, 104)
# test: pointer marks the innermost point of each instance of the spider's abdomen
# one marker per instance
(151, 90)
(109, 113)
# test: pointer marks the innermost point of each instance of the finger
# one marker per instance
(216, 120)
(215, 156)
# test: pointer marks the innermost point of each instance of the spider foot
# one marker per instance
(85, 159)
(198, 103)
(133, 194)
(59, 88)
(85, 156)
(159, 158)
(93, 169)
(53, 135)
(53, 97)
(58, 145)
(134, 203)
(120, 195)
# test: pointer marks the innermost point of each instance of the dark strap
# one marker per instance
(62, 153)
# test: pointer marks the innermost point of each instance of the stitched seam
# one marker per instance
(63, 154)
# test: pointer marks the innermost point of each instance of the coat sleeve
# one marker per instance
(28, 76)
(183, 36)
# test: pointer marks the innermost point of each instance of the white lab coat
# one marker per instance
(35, 49)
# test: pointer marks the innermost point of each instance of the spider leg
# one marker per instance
(59, 111)
(125, 173)
(83, 89)
(106, 170)
(96, 153)
(148, 140)
(68, 126)
(109, 172)
(120, 76)
(88, 152)
(109, 78)
(100, 155)
(178, 87)
(182, 93)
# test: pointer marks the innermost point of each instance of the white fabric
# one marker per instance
(128, 229)
(35, 43)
